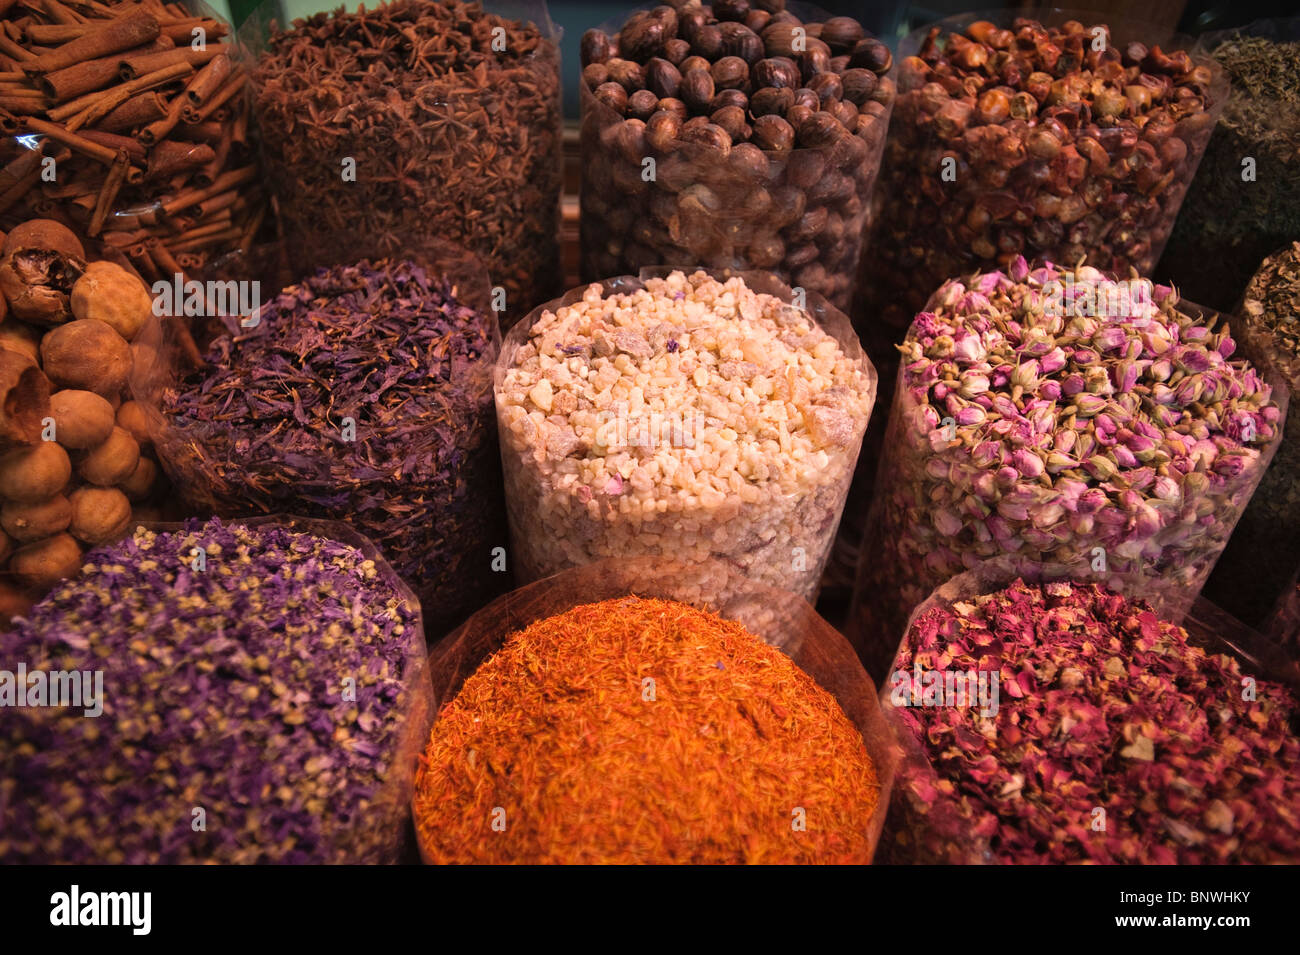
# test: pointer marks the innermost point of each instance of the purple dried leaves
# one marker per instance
(363, 395)
(225, 690)
(1115, 742)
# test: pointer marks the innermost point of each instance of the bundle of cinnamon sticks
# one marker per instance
(142, 108)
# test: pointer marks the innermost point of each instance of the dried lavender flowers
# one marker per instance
(1068, 422)
(1264, 551)
(1114, 739)
(257, 682)
(363, 394)
(451, 118)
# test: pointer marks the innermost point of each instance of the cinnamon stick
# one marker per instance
(171, 156)
(197, 114)
(114, 141)
(71, 140)
(208, 80)
(95, 74)
(227, 180)
(161, 129)
(113, 37)
(61, 14)
(10, 48)
(137, 111)
(55, 32)
(93, 107)
(108, 193)
(135, 65)
(182, 31)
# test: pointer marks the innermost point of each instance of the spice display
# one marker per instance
(127, 122)
(1070, 423)
(363, 393)
(422, 117)
(1264, 551)
(256, 689)
(683, 416)
(1110, 738)
(1245, 201)
(558, 750)
(68, 474)
(731, 136)
(1054, 142)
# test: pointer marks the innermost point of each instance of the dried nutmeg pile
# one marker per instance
(732, 136)
(1113, 739)
(418, 117)
(74, 454)
(1051, 142)
(126, 120)
(1061, 420)
(1265, 549)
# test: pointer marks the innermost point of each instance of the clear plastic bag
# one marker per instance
(962, 190)
(782, 541)
(416, 142)
(777, 617)
(373, 828)
(800, 212)
(1264, 551)
(928, 823)
(923, 527)
(144, 151)
(447, 461)
(1243, 203)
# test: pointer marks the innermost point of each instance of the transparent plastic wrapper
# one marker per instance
(993, 159)
(1264, 551)
(1243, 204)
(776, 616)
(1283, 625)
(135, 135)
(776, 529)
(474, 157)
(761, 155)
(381, 415)
(933, 817)
(370, 827)
(1128, 491)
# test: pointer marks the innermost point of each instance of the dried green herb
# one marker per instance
(1227, 224)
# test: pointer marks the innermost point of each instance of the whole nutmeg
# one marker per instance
(779, 38)
(614, 96)
(710, 135)
(731, 9)
(629, 140)
(662, 77)
(141, 482)
(674, 106)
(749, 162)
(113, 295)
(813, 61)
(806, 168)
(739, 40)
(82, 419)
(642, 104)
(730, 73)
(694, 63)
(774, 7)
(778, 72)
(697, 90)
(626, 74)
(871, 54)
(644, 33)
(819, 130)
(662, 131)
(828, 87)
(133, 417)
(111, 462)
(46, 562)
(707, 42)
(595, 47)
(797, 115)
(35, 473)
(845, 113)
(806, 97)
(676, 50)
(20, 339)
(40, 261)
(842, 34)
(87, 355)
(772, 133)
(725, 98)
(731, 119)
(774, 100)
(858, 85)
(37, 520)
(757, 20)
(99, 514)
(594, 75)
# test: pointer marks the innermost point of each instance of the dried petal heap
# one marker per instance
(364, 394)
(557, 740)
(1065, 421)
(1115, 741)
(224, 690)
(690, 418)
